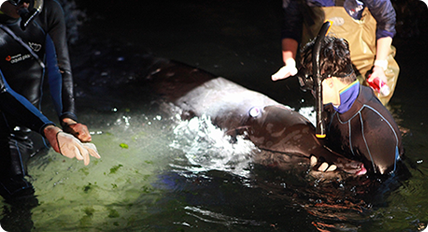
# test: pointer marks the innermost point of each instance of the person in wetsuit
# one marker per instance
(32, 47)
(358, 125)
(368, 26)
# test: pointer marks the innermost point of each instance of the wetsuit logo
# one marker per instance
(35, 47)
(17, 58)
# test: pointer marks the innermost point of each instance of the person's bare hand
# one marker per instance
(286, 71)
(79, 130)
(377, 72)
(324, 167)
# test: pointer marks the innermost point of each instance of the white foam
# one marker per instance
(207, 147)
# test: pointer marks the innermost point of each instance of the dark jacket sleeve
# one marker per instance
(384, 13)
(292, 21)
(54, 23)
(18, 107)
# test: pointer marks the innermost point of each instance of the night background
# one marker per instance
(146, 182)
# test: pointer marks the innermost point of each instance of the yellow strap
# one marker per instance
(320, 136)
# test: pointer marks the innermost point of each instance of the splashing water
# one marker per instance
(309, 113)
(207, 147)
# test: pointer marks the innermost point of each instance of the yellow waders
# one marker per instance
(361, 35)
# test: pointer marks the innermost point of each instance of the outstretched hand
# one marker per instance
(69, 146)
(286, 71)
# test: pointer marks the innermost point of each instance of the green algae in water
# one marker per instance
(124, 145)
(89, 211)
(84, 170)
(113, 213)
(87, 188)
(115, 168)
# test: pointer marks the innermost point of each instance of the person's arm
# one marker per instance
(384, 13)
(290, 37)
(59, 71)
(381, 64)
(68, 119)
(378, 139)
(53, 18)
(289, 50)
(18, 107)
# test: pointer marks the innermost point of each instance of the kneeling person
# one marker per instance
(358, 125)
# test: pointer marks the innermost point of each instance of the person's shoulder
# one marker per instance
(372, 104)
(369, 100)
(367, 95)
(52, 5)
(52, 10)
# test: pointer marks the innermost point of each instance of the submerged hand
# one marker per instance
(324, 167)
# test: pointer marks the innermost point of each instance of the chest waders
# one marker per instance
(361, 35)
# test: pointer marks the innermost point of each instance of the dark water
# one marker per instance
(158, 173)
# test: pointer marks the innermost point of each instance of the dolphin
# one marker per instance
(283, 134)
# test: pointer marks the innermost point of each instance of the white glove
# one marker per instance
(288, 70)
(69, 146)
(92, 149)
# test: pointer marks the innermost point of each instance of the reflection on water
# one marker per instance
(160, 173)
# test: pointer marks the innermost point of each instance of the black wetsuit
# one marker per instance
(366, 132)
(25, 74)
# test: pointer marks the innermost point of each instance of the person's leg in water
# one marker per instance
(16, 148)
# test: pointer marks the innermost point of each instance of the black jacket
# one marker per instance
(366, 132)
(22, 71)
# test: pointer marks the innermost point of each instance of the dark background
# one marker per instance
(240, 40)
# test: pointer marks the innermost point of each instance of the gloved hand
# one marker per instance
(71, 147)
(288, 70)
(92, 149)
